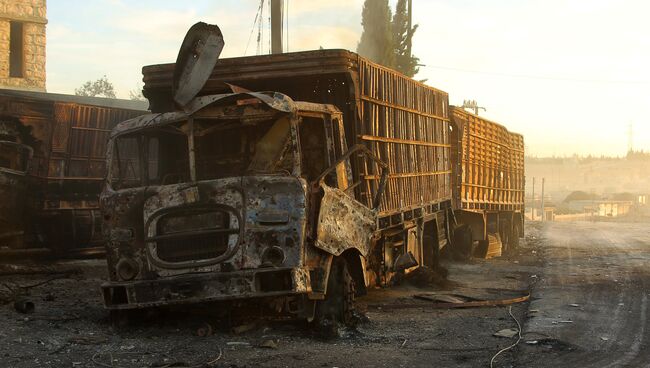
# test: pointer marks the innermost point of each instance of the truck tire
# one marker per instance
(338, 305)
(463, 243)
(514, 237)
(505, 230)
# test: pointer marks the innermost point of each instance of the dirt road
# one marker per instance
(591, 307)
(594, 275)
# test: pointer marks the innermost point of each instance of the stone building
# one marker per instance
(22, 44)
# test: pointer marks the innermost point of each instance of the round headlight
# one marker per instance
(127, 269)
(272, 256)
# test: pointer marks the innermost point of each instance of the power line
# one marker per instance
(540, 77)
(257, 15)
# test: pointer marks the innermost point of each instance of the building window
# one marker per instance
(16, 49)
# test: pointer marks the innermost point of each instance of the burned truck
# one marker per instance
(336, 180)
(52, 152)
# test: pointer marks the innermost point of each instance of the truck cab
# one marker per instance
(238, 196)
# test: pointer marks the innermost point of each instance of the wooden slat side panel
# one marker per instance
(406, 124)
(492, 164)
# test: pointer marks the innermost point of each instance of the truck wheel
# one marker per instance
(120, 319)
(463, 243)
(504, 233)
(338, 306)
(514, 237)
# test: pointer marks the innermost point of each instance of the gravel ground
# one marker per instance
(69, 327)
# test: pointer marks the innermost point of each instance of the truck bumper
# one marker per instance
(198, 288)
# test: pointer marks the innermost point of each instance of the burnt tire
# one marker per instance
(514, 237)
(338, 305)
(505, 231)
(463, 243)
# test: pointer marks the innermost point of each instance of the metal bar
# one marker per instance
(487, 187)
(73, 178)
(91, 129)
(407, 175)
(192, 234)
(402, 108)
(496, 142)
(401, 141)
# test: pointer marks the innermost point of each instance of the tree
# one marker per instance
(136, 95)
(99, 88)
(403, 33)
(376, 41)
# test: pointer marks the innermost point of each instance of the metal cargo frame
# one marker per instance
(491, 168)
(404, 122)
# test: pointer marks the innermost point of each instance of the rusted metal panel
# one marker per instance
(491, 164)
(343, 223)
(196, 59)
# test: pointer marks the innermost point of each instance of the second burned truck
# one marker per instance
(338, 179)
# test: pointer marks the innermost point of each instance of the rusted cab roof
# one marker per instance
(276, 101)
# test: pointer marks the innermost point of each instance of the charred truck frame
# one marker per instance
(338, 179)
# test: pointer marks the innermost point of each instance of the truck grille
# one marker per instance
(193, 235)
(192, 248)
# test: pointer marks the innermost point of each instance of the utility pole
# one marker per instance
(472, 104)
(532, 209)
(543, 212)
(630, 138)
(277, 7)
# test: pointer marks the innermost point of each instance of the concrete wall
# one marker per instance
(32, 13)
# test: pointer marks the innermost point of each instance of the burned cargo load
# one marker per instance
(336, 180)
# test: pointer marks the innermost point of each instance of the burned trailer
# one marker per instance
(59, 195)
(15, 156)
(368, 196)
(488, 185)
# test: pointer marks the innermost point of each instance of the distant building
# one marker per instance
(22, 44)
(602, 207)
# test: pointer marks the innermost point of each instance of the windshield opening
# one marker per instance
(13, 156)
(151, 157)
(222, 148)
(233, 149)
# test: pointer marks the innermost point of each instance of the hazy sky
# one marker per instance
(570, 75)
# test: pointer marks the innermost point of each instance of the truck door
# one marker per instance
(342, 222)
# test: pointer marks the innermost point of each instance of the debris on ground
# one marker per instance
(24, 306)
(444, 298)
(269, 344)
(423, 276)
(243, 328)
(507, 333)
(238, 343)
(204, 330)
(88, 340)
